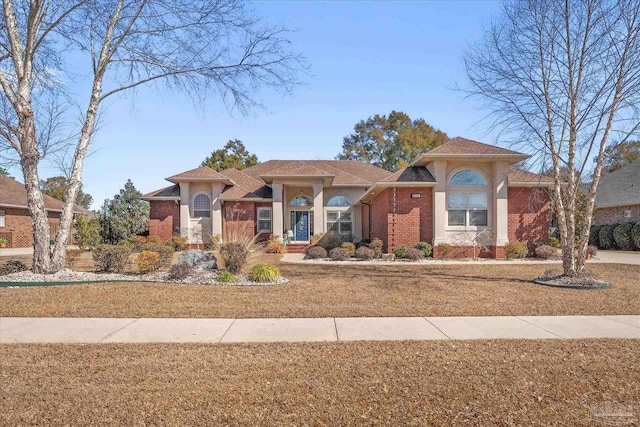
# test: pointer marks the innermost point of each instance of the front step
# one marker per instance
(297, 248)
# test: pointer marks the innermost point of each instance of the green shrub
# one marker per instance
(12, 266)
(376, 244)
(365, 253)
(179, 242)
(138, 242)
(400, 252)
(350, 247)
(622, 236)
(316, 252)
(111, 258)
(180, 271)
(87, 232)
(414, 254)
(264, 273)
(234, 256)
(546, 252)
(165, 251)
(635, 235)
(606, 236)
(363, 242)
(148, 261)
(554, 243)
(339, 254)
(594, 235)
(332, 240)
(444, 250)
(517, 249)
(226, 277)
(425, 247)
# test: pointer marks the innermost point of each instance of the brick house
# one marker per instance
(461, 193)
(15, 222)
(618, 196)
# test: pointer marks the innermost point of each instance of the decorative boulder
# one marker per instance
(388, 257)
(198, 259)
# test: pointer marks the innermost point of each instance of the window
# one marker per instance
(2, 223)
(468, 209)
(202, 206)
(467, 177)
(264, 220)
(339, 222)
(627, 215)
(301, 201)
(339, 202)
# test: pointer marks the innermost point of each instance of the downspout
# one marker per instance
(369, 219)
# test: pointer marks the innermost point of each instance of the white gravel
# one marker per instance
(198, 277)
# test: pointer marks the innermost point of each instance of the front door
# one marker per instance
(301, 231)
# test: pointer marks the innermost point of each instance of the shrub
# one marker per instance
(594, 235)
(592, 250)
(606, 236)
(180, 271)
(350, 247)
(339, 254)
(414, 254)
(72, 257)
(111, 258)
(400, 252)
(363, 242)
(316, 252)
(226, 277)
(376, 244)
(179, 242)
(635, 235)
(12, 266)
(546, 252)
(315, 239)
(622, 236)
(164, 250)
(332, 241)
(274, 246)
(365, 253)
(264, 273)
(554, 243)
(425, 247)
(517, 249)
(154, 239)
(87, 232)
(138, 242)
(234, 255)
(444, 250)
(148, 261)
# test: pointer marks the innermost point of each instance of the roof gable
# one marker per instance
(14, 194)
(200, 173)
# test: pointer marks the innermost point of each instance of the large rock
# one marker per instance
(199, 259)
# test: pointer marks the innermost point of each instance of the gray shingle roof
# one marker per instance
(620, 187)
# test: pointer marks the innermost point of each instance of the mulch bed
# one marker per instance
(481, 383)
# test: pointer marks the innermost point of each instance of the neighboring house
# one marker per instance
(451, 194)
(15, 222)
(618, 196)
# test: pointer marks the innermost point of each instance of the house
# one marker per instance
(618, 196)
(464, 193)
(15, 222)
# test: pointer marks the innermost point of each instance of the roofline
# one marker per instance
(428, 156)
(150, 198)
(7, 205)
(530, 184)
(616, 205)
(394, 184)
(246, 199)
(353, 185)
(179, 180)
(297, 176)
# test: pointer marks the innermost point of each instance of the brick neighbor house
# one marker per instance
(458, 193)
(15, 222)
(618, 196)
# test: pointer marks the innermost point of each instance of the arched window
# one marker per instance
(202, 206)
(467, 177)
(339, 202)
(301, 201)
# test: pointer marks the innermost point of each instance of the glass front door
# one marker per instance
(301, 225)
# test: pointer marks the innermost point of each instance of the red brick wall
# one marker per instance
(401, 220)
(18, 227)
(164, 219)
(529, 215)
(615, 215)
(364, 214)
(238, 216)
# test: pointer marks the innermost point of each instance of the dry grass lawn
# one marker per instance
(318, 290)
(485, 383)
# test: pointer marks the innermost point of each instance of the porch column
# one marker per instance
(318, 208)
(184, 211)
(216, 209)
(440, 202)
(501, 207)
(277, 211)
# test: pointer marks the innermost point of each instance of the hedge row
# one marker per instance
(624, 236)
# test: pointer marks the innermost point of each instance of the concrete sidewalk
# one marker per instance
(148, 330)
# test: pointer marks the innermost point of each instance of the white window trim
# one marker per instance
(193, 206)
(340, 211)
(258, 219)
(469, 189)
(3, 218)
(626, 214)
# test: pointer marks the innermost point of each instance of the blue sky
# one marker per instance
(366, 58)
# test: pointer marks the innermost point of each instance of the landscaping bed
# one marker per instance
(482, 383)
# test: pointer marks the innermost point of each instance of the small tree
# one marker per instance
(124, 216)
(619, 155)
(232, 155)
(87, 231)
(56, 187)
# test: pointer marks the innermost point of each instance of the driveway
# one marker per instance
(618, 257)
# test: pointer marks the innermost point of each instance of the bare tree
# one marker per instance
(205, 48)
(560, 77)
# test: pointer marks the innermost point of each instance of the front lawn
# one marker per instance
(317, 290)
(481, 383)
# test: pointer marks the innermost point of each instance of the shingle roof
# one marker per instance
(411, 174)
(171, 191)
(345, 172)
(13, 193)
(519, 175)
(203, 172)
(620, 187)
(459, 145)
(245, 187)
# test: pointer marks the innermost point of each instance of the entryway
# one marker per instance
(300, 225)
